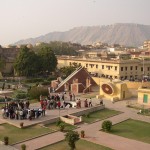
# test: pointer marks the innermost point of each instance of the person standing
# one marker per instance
(70, 95)
(86, 103)
(90, 102)
(74, 97)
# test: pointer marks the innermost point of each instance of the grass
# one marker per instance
(100, 115)
(80, 145)
(133, 129)
(16, 134)
(145, 112)
(68, 127)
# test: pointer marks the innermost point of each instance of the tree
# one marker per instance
(61, 48)
(27, 62)
(47, 58)
(67, 70)
(72, 137)
(107, 125)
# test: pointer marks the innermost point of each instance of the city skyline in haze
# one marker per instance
(21, 19)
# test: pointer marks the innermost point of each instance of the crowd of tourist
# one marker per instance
(21, 110)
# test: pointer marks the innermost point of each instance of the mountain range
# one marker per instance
(127, 34)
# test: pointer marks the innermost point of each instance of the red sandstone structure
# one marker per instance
(79, 81)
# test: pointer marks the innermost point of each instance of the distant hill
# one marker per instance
(121, 33)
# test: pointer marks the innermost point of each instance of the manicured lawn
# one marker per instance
(100, 115)
(80, 145)
(133, 129)
(16, 134)
(68, 127)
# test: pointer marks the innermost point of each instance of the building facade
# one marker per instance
(131, 69)
(144, 96)
(8, 55)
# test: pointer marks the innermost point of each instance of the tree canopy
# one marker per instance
(61, 48)
(26, 63)
(67, 70)
(47, 58)
(29, 63)
(72, 137)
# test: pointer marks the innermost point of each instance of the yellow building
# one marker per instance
(130, 69)
(144, 96)
(114, 90)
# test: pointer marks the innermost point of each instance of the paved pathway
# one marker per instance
(94, 135)
(43, 141)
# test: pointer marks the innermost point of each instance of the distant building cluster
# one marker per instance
(100, 59)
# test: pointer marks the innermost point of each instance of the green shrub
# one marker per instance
(6, 140)
(61, 126)
(35, 92)
(58, 122)
(107, 125)
(3, 100)
(34, 80)
(51, 78)
(72, 137)
(20, 94)
(45, 83)
(23, 147)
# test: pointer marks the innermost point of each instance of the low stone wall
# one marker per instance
(53, 120)
(89, 110)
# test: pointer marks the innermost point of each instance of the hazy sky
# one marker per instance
(20, 19)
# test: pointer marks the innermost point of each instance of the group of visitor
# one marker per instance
(88, 103)
(20, 110)
(53, 101)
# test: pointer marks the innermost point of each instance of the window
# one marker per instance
(135, 67)
(145, 98)
(115, 67)
(126, 68)
(131, 68)
(148, 68)
(96, 66)
(141, 68)
(86, 65)
(108, 67)
(121, 68)
(70, 63)
(102, 66)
